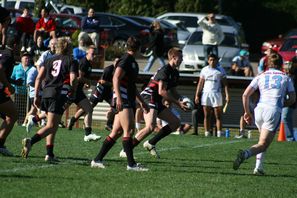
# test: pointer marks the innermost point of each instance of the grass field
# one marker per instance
(190, 166)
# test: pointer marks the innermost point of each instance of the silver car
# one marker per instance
(193, 54)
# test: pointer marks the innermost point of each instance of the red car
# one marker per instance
(288, 49)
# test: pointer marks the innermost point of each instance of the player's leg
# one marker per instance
(207, 119)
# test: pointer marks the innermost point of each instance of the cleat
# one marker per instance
(91, 137)
(151, 148)
(97, 164)
(26, 147)
(240, 136)
(239, 159)
(4, 151)
(258, 172)
(123, 154)
(71, 123)
(30, 123)
(51, 159)
(137, 167)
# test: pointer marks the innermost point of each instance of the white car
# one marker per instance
(193, 53)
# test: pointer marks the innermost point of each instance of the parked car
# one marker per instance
(288, 49)
(170, 31)
(19, 4)
(193, 53)
(190, 21)
(277, 42)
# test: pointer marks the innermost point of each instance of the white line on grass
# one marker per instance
(138, 153)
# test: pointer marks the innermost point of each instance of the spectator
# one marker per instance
(46, 26)
(211, 78)
(4, 22)
(241, 65)
(25, 28)
(212, 35)
(38, 49)
(287, 112)
(90, 27)
(156, 45)
(80, 51)
(47, 54)
(20, 72)
(263, 63)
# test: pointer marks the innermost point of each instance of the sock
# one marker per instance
(259, 160)
(88, 131)
(166, 130)
(128, 148)
(135, 142)
(35, 138)
(247, 154)
(106, 146)
(50, 150)
(241, 132)
(109, 122)
(137, 125)
(2, 141)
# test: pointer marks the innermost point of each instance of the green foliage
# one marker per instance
(190, 166)
(111, 52)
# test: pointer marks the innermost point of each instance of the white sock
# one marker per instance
(259, 160)
(137, 125)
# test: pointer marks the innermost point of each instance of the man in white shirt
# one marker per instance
(211, 79)
(212, 35)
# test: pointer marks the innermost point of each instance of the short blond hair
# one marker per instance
(175, 51)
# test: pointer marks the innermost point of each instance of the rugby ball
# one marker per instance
(189, 102)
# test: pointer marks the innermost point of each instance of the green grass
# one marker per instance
(190, 166)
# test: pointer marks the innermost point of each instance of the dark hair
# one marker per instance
(212, 56)
(275, 60)
(133, 44)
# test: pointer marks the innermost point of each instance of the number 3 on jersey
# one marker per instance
(273, 82)
(56, 67)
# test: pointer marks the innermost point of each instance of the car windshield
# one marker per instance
(229, 40)
(289, 44)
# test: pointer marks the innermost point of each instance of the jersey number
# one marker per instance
(56, 68)
(274, 82)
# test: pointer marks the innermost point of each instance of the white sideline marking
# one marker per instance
(138, 153)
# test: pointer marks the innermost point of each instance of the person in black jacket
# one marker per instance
(157, 45)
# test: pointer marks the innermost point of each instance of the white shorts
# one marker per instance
(267, 118)
(212, 99)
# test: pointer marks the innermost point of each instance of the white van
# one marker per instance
(19, 4)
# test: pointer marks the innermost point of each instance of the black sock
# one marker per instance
(128, 148)
(109, 122)
(166, 130)
(35, 138)
(135, 142)
(106, 146)
(2, 141)
(88, 131)
(50, 150)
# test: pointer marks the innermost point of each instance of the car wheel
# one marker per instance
(147, 52)
(120, 43)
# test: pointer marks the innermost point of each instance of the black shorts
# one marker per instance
(127, 104)
(153, 103)
(80, 95)
(54, 105)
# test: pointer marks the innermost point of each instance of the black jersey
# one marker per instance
(57, 74)
(128, 83)
(168, 75)
(7, 61)
(85, 66)
(108, 73)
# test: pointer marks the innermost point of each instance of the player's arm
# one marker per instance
(73, 83)
(199, 88)
(118, 75)
(4, 80)
(104, 82)
(246, 101)
(81, 78)
(226, 88)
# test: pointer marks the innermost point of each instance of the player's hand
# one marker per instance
(119, 104)
(183, 105)
(248, 118)
(145, 107)
(197, 101)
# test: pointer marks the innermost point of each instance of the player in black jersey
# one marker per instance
(59, 74)
(102, 91)
(84, 73)
(8, 110)
(125, 94)
(161, 86)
